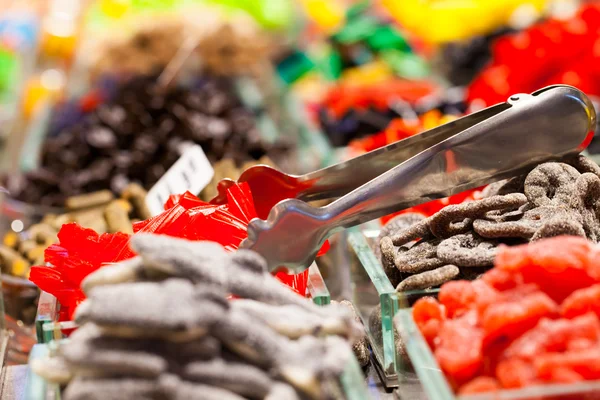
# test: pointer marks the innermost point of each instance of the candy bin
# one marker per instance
(97, 258)
(523, 353)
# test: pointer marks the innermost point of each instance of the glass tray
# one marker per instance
(373, 289)
(437, 388)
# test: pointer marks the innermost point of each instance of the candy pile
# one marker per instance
(552, 52)
(359, 46)
(99, 211)
(531, 320)
(556, 198)
(179, 338)
(138, 135)
(225, 44)
(395, 109)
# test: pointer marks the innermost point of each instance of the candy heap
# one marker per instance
(531, 320)
(552, 52)
(138, 134)
(82, 251)
(360, 47)
(556, 198)
(392, 109)
(179, 338)
(99, 211)
(226, 44)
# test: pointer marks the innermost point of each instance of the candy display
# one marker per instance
(531, 320)
(303, 200)
(553, 199)
(367, 117)
(138, 135)
(181, 338)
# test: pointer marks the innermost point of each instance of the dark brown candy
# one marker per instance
(467, 250)
(418, 258)
(101, 138)
(428, 279)
(550, 184)
(456, 219)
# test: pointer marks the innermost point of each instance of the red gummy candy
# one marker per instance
(457, 296)
(554, 336)
(582, 301)
(515, 373)
(558, 265)
(459, 351)
(500, 279)
(80, 252)
(481, 384)
(513, 318)
(428, 315)
(582, 362)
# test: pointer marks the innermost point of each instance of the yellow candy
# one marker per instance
(35, 93)
(370, 73)
(443, 21)
(114, 8)
(56, 46)
(431, 119)
(311, 87)
(447, 118)
(20, 268)
(327, 14)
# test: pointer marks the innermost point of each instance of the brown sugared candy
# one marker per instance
(554, 198)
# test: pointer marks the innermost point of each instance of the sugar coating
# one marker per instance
(420, 257)
(429, 279)
(396, 224)
(550, 184)
(172, 305)
(457, 218)
(177, 389)
(114, 389)
(240, 378)
(467, 250)
(294, 322)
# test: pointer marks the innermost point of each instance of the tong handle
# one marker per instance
(548, 124)
(342, 178)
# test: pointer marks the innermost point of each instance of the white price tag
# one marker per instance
(192, 172)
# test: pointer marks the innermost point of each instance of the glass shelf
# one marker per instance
(437, 388)
(376, 302)
(316, 286)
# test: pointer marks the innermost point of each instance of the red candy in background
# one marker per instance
(533, 319)
(548, 53)
(82, 251)
(342, 98)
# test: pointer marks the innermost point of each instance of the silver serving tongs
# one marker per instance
(496, 143)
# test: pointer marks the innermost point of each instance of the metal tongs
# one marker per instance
(498, 142)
